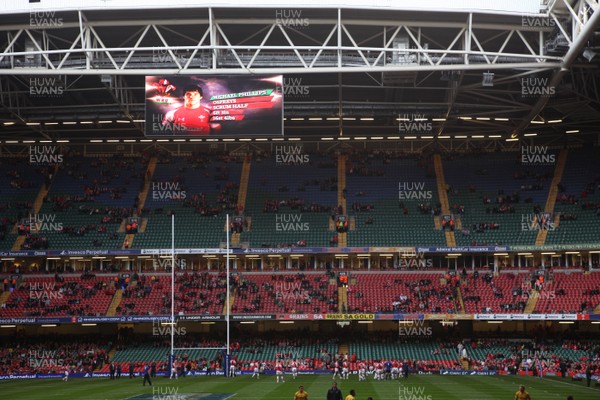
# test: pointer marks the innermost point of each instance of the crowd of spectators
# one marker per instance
(24, 354)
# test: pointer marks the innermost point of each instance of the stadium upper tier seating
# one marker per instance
(473, 178)
(88, 199)
(208, 187)
(390, 199)
(382, 185)
(291, 203)
(579, 197)
(20, 182)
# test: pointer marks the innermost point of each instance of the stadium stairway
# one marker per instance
(244, 179)
(143, 195)
(231, 300)
(242, 192)
(344, 348)
(4, 297)
(443, 194)
(37, 206)
(341, 177)
(111, 353)
(437, 222)
(465, 364)
(343, 299)
(534, 295)
(540, 240)
(596, 310)
(115, 302)
(460, 300)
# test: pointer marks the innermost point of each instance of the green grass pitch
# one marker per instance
(416, 387)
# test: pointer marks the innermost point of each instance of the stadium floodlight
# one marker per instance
(488, 79)
(589, 55)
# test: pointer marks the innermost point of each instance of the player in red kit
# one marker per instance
(294, 366)
(193, 116)
(279, 371)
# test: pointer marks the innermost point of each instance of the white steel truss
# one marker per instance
(217, 43)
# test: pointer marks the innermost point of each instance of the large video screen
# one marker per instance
(234, 105)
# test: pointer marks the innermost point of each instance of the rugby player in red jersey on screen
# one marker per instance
(192, 115)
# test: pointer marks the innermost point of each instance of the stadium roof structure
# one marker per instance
(490, 69)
